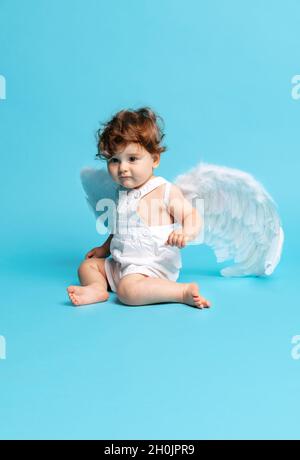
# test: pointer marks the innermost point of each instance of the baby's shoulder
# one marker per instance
(170, 188)
(175, 191)
(166, 194)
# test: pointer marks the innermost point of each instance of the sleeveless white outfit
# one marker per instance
(137, 247)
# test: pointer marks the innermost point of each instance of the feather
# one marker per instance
(98, 185)
(241, 222)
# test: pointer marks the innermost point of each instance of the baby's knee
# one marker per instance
(126, 292)
(87, 263)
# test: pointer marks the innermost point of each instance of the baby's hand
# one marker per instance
(177, 238)
(95, 252)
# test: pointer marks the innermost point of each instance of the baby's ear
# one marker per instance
(156, 160)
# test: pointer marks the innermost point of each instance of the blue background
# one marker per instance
(219, 73)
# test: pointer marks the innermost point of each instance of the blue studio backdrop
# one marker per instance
(224, 76)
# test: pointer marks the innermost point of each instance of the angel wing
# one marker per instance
(98, 185)
(241, 222)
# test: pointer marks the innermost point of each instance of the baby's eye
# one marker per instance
(113, 160)
(132, 158)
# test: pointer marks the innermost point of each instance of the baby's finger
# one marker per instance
(175, 240)
(179, 239)
(171, 239)
(182, 241)
(179, 242)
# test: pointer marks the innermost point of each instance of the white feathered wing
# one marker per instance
(98, 185)
(241, 222)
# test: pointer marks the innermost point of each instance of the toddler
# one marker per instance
(145, 246)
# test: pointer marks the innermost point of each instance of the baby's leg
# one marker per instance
(138, 289)
(94, 283)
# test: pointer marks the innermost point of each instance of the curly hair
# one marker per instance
(142, 126)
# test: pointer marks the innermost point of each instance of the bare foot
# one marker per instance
(191, 296)
(83, 295)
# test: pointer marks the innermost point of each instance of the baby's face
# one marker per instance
(133, 166)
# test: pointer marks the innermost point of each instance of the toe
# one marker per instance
(198, 304)
(75, 301)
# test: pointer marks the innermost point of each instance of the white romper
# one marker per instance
(137, 247)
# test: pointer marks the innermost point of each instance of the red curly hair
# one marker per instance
(140, 126)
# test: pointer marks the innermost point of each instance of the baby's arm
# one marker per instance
(101, 251)
(187, 216)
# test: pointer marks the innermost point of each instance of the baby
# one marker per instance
(145, 246)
